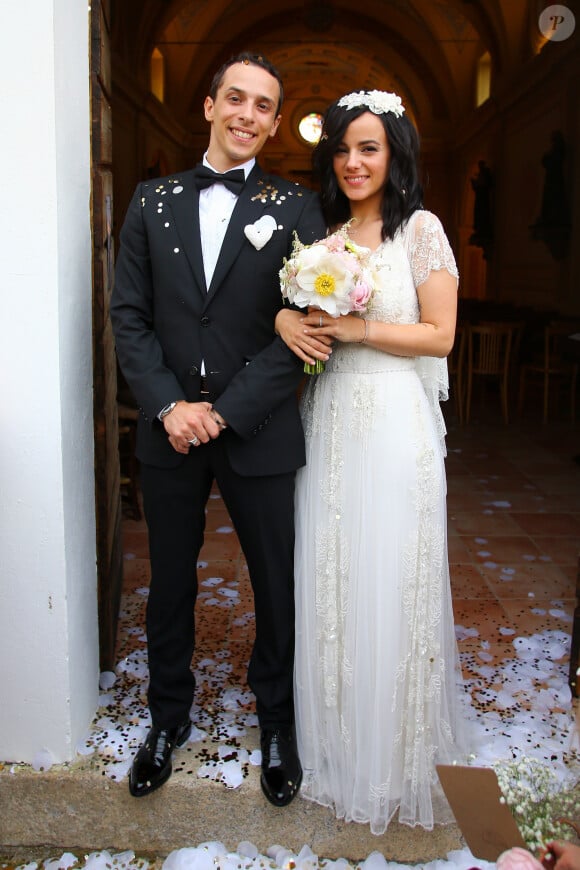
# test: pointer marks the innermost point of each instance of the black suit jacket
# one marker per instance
(166, 321)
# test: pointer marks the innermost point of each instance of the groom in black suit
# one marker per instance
(196, 294)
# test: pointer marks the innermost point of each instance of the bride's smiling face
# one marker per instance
(361, 161)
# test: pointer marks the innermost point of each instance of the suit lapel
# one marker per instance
(247, 209)
(185, 208)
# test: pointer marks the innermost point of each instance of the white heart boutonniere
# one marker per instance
(260, 232)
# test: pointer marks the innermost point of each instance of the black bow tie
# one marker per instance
(233, 180)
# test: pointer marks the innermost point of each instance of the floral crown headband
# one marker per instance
(379, 102)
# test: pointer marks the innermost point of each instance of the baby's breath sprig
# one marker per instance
(542, 805)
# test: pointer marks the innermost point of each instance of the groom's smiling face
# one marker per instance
(243, 115)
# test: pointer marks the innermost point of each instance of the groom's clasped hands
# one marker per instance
(192, 423)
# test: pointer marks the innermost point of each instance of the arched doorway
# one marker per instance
(152, 64)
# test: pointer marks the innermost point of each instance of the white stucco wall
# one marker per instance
(48, 599)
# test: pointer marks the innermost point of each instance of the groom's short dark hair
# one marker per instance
(247, 58)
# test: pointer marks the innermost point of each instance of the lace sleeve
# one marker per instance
(428, 248)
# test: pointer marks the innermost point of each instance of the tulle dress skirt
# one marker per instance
(377, 680)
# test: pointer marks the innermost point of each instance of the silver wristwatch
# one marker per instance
(166, 410)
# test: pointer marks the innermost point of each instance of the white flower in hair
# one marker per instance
(379, 102)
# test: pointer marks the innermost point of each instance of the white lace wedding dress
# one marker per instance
(377, 697)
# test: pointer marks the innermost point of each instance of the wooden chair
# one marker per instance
(455, 367)
(518, 331)
(552, 367)
(488, 356)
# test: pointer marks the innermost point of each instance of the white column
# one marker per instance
(48, 599)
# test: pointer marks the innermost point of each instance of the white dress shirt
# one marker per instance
(216, 204)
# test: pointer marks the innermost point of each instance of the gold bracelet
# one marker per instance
(363, 340)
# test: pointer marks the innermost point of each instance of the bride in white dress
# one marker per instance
(377, 683)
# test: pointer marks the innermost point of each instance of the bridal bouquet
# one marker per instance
(331, 275)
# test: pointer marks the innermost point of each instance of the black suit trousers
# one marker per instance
(262, 511)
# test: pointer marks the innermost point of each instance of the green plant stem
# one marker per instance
(315, 369)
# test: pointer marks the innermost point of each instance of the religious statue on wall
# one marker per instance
(553, 224)
(482, 184)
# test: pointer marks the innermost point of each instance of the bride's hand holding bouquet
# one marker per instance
(331, 278)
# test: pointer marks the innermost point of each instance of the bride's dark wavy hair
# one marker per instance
(403, 192)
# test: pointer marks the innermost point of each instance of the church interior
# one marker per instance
(493, 98)
(491, 87)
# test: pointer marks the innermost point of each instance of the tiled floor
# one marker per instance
(514, 543)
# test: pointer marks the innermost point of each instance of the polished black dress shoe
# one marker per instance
(281, 768)
(152, 764)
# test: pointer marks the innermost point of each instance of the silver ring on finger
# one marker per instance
(194, 441)
(320, 322)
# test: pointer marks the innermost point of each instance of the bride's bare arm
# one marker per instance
(432, 336)
(435, 332)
